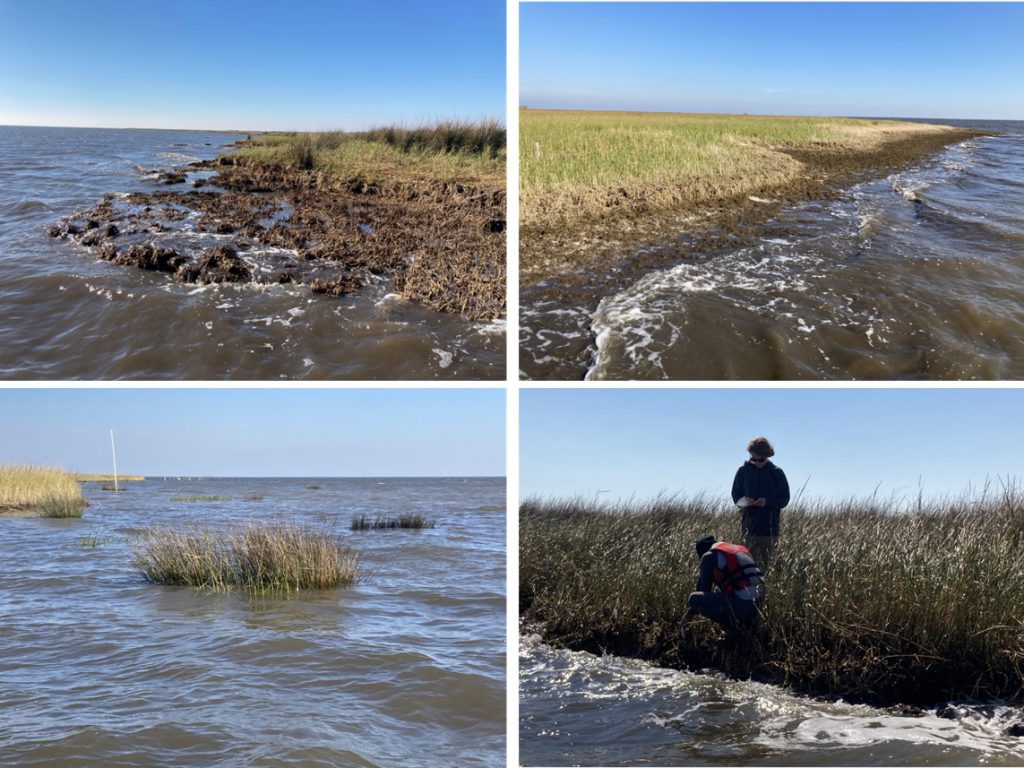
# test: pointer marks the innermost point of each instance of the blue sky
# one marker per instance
(250, 64)
(952, 60)
(258, 432)
(616, 443)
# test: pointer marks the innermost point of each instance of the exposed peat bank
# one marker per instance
(911, 607)
(422, 208)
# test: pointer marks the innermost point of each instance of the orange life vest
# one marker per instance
(740, 569)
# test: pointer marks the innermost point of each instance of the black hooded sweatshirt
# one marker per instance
(770, 482)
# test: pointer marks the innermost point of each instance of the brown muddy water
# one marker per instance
(101, 668)
(919, 275)
(580, 709)
(66, 314)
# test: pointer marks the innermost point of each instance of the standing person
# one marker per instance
(760, 490)
(730, 568)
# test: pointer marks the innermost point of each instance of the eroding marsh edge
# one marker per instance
(918, 607)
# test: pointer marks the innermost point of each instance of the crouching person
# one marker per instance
(732, 569)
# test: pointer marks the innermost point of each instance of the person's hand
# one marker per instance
(761, 502)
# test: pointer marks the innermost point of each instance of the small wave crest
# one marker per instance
(28, 206)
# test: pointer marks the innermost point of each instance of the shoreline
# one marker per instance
(440, 243)
(950, 709)
(572, 272)
(614, 579)
(559, 251)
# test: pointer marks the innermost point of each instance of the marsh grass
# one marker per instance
(443, 151)
(415, 522)
(46, 491)
(486, 138)
(876, 601)
(260, 557)
(581, 165)
(201, 498)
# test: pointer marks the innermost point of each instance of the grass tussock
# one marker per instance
(261, 557)
(46, 491)
(200, 498)
(468, 152)
(881, 602)
(577, 165)
(414, 522)
(485, 138)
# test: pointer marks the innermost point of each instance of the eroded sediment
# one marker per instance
(439, 243)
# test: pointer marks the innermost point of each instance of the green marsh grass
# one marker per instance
(414, 522)
(445, 151)
(260, 557)
(45, 491)
(577, 165)
(874, 601)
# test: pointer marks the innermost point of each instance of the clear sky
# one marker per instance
(258, 432)
(616, 443)
(951, 60)
(250, 64)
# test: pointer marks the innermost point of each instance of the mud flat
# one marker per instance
(282, 216)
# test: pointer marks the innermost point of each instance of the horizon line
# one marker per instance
(289, 477)
(399, 124)
(761, 114)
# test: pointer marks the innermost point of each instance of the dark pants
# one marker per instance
(761, 547)
(730, 612)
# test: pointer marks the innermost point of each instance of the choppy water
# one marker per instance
(64, 314)
(407, 668)
(581, 709)
(916, 276)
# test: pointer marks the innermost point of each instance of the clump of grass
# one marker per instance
(415, 522)
(200, 498)
(486, 137)
(313, 487)
(261, 557)
(873, 601)
(111, 487)
(46, 491)
(254, 497)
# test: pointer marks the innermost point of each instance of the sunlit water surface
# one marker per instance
(100, 668)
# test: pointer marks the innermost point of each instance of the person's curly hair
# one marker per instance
(761, 448)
